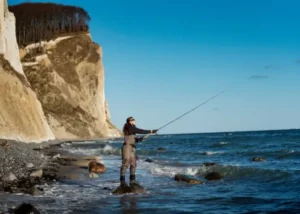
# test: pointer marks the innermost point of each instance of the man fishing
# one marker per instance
(128, 150)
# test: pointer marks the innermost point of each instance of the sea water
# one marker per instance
(270, 186)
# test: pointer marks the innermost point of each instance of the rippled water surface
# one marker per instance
(272, 186)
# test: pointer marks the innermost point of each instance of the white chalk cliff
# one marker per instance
(68, 78)
(57, 92)
(21, 114)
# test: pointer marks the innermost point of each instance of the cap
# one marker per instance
(129, 119)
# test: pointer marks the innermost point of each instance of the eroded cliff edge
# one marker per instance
(68, 76)
(21, 114)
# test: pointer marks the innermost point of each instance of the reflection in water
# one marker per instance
(128, 204)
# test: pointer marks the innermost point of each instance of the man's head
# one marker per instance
(130, 120)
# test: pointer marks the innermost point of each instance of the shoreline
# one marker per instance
(26, 167)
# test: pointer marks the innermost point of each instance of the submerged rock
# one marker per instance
(187, 179)
(149, 160)
(209, 164)
(25, 209)
(213, 176)
(258, 159)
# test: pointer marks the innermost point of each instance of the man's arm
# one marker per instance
(141, 131)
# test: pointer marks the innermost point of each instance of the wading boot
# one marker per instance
(123, 188)
(123, 182)
(134, 185)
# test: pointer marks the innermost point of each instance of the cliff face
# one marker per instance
(68, 77)
(8, 41)
(21, 114)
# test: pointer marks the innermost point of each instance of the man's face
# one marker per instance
(132, 122)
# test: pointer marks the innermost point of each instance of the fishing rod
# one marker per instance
(193, 109)
(184, 114)
(253, 77)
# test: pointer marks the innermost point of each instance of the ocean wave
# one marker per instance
(211, 152)
(169, 170)
(105, 150)
(227, 171)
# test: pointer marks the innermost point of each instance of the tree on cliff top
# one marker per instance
(44, 21)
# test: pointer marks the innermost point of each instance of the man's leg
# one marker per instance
(132, 166)
(126, 152)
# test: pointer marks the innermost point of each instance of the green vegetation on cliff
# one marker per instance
(36, 22)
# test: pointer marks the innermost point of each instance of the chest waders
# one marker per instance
(128, 158)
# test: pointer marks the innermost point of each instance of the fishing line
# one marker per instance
(193, 109)
(253, 77)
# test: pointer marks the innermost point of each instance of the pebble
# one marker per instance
(29, 165)
(37, 173)
(9, 177)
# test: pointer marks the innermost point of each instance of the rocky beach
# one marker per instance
(51, 94)
(26, 168)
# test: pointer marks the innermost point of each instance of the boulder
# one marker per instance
(26, 209)
(187, 179)
(122, 189)
(136, 188)
(96, 167)
(125, 189)
(213, 176)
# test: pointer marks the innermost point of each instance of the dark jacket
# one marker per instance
(131, 131)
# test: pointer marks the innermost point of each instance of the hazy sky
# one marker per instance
(163, 57)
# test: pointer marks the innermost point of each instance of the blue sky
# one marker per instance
(163, 57)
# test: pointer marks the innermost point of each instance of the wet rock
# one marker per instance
(136, 188)
(161, 149)
(209, 164)
(187, 179)
(96, 167)
(149, 160)
(29, 165)
(213, 176)
(258, 159)
(35, 191)
(122, 189)
(37, 173)
(25, 209)
(106, 188)
(9, 177)
(133, 188)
